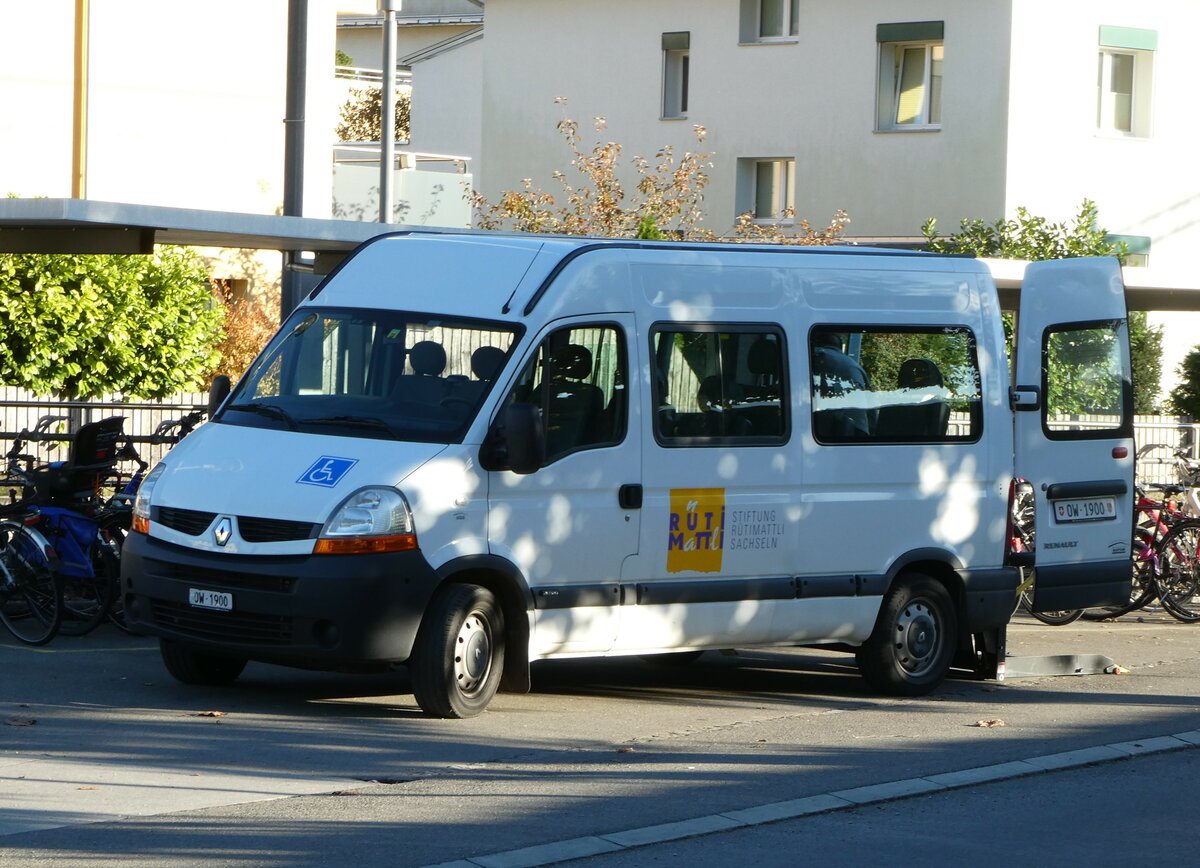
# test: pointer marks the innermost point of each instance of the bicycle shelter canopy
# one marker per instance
(89, 226)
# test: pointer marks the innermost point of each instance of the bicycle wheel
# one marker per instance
(1179, 572)
(30, 595)
(1054, 619)
(1142, 593)
(86, 600)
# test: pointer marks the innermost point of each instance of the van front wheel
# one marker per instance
(191, 666)
(912, 646)
(459, 654)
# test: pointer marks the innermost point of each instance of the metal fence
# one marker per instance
(21, 410)
(1169, 434)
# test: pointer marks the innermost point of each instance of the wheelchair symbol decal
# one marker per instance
(327, 471)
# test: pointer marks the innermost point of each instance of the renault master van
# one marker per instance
(465, 453)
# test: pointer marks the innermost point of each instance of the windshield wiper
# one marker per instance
(267, 410)
(354, 422)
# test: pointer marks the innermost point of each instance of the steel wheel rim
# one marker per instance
(472, 653)
(918, 638)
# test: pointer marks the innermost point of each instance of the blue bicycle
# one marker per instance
(60, 501)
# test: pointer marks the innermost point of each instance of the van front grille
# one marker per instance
(236, 626)
(274, 529)
(189, 521)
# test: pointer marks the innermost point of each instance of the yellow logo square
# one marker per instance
(696, 530)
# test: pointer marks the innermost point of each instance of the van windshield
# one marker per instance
(372, 373)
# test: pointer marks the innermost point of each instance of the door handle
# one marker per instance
(629, 496)
(1025, 397)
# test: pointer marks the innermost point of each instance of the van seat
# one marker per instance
(926, 420)
(425, 385)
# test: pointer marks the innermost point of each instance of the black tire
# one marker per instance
(87, 602)
(192, 666)
(1179, 572)
(30, 593)
(459, 654)
(914, 640)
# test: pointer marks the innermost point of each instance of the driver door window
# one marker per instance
(577, 379)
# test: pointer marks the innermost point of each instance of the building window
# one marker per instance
(766, 189)
(910, 76)
(676, 48)
(769, 20)
(1123, 80)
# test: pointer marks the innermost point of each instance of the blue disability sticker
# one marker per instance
(327, 471)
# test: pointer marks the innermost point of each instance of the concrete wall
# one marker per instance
(447, 104)
(1142, 186)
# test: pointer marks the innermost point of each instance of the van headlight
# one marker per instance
(369, 521)
(141, 502)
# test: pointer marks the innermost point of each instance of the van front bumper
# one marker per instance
(335, 612)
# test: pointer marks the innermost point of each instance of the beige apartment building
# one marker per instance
(895, 110)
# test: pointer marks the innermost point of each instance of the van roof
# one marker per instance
(486, 273)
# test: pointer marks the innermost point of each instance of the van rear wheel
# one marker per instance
(191, 666)
(459, 655)
(911, 648)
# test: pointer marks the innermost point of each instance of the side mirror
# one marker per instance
(525, 438)
(217, 393)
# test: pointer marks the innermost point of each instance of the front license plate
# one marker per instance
(202, 599)
(1085, 509)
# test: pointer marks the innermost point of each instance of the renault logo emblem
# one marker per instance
(223, 531)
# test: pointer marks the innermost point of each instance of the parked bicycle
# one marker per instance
(1164, 544)
(65, 495)
(30, 594)
(1024, 540)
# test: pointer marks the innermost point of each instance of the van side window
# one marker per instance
(717, 385)
(1085, 381)
(894, 385)
(577, 378)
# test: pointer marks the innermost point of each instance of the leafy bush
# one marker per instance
(1035, 238)
(667, 202)
(249, 325)
(79, 326)
(1185, 398)
(1028, 237)
(360, 115)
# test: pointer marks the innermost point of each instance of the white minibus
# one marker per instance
(467, 452)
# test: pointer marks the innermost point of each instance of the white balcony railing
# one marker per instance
(428, 189)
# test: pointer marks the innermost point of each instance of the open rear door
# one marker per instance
(1074, 429)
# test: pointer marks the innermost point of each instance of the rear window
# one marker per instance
(1086, 381)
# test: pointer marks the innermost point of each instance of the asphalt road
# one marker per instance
(104, 759)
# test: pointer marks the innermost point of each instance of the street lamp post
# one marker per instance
(387, 119)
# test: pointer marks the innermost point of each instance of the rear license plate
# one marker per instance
(1085, 509)
(202, 599)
